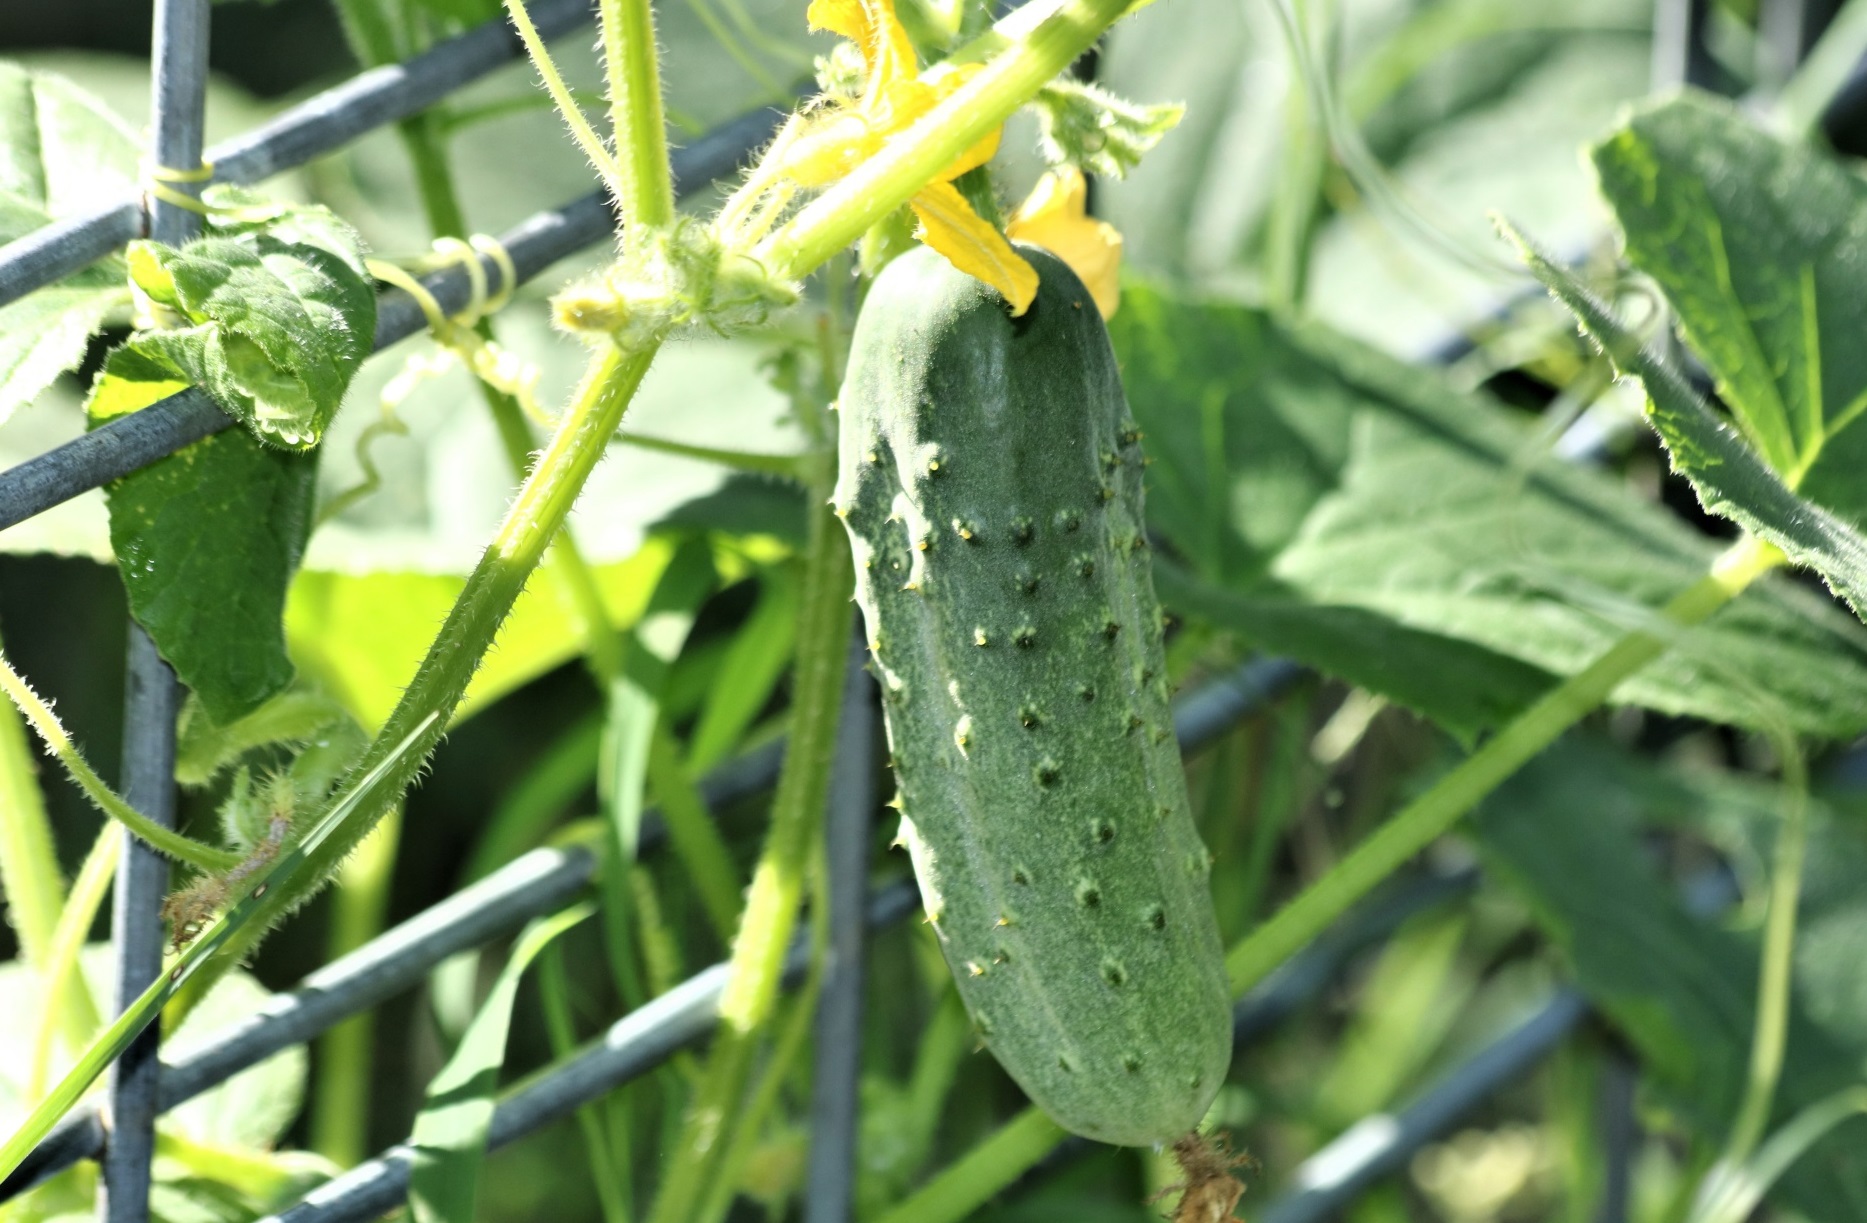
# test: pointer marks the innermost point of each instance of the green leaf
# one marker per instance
(1731, 479)
(207, 539)
(449, 1138)
(1359, 514)
(1761, 248)
(1564, 834)
(749, 673)
(283, 315)
(362, 635)
(62, 151)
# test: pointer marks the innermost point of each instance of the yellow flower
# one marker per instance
(893, 97)
(1055, 217)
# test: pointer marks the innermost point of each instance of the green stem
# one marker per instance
(519, 545)
(750, 1122)
(645, 196)
(696, 842)
(1778, 964)
(554, 994)
(916, 157)
(59, 744)
(1010, 1151)
(29, 876)
(771, 908)
(580, 129)
(66, 1000)
(347, 1053)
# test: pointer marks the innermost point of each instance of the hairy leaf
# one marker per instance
(1732, 480)
(1761, 248)
(283, 314)
(1357, 513)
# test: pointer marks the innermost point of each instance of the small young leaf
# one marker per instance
(1760, 245)
(1088, 127)
(1733, 481)
(449, 1138)
(282, 312)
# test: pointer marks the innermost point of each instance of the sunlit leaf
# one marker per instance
(1733, 481)
(1361, 515)
(1761, 248)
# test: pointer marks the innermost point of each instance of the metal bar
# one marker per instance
(1620, 1136)
(538, 882)
(310, 129)
(1680, 56)
(152, 695)
(836, 1071)
(1376, 1145)
(634, 1044)
(150, 705)
(141, 438)
(533, 884)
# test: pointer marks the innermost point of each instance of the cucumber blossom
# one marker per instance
(990, 478)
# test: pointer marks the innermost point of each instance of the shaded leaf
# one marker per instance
(207, 539)
(1564, 834)
(1761, 248)
(1339, 506)
(363, 634)
(449, 1138)
(1732, 480)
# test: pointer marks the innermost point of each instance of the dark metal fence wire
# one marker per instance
(543, 880)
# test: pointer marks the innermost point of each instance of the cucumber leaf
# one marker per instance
(1732, 480)
(206, 540)
(1341, 507)
(62, 152)
(276, 316)
(1760, 246)
(280, 313)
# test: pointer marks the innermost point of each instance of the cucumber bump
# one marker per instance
(991, 483)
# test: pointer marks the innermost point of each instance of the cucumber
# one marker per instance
(990, 478)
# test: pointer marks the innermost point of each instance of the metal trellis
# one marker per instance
(143, 1086)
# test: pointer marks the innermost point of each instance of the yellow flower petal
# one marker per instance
(950, 226)
(1055, 217)
(877, 33)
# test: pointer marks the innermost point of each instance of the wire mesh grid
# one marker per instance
(120, 1133)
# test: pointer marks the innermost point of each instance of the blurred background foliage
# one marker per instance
(1238, 223)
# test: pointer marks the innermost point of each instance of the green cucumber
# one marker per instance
(991, 482)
